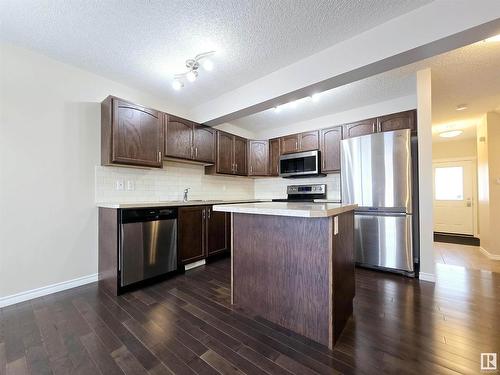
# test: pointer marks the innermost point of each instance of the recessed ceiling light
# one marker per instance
(451, 133)
(495, 38)
(461, 107)
(316, 97)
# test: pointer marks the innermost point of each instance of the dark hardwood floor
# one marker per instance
(186, 326)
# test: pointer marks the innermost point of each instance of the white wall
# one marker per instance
(464, 148)
(382, 108)
(49, 146)
(424, 123)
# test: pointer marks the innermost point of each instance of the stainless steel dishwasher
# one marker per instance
(148, 244)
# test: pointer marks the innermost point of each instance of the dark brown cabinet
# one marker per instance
(359, 128)
(189, 140)
(202, 232)
(258, 158)
(289, 143)
(274, 156)
(218, 230)
(309, 141)
(231, 153)
(397, 121)
(306, 141)
(130, 134)
(330, 149)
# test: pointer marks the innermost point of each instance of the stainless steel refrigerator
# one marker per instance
(377, 174)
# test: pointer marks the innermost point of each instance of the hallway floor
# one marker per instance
(464, 256)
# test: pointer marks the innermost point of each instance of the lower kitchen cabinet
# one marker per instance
(218, 230)
(202, 232)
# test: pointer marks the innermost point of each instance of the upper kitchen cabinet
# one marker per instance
(359, 128)
(397, 121)
(131, 134)
(306, 141)
(240, 156)
(330, 149)
(187, 140)
(258, 158)
(231, 155)
(204, 143)
(309, 141)
(274, 156)
(289, 143)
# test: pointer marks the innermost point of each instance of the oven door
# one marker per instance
(299, 163)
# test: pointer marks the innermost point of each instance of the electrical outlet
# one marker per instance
(130, 185)
(119, 185)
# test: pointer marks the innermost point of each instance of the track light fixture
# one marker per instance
(193, 66)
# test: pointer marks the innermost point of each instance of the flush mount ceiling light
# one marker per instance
(193, 66)
(461, 107)
(451, 133)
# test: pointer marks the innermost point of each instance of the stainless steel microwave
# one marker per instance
(300, 164)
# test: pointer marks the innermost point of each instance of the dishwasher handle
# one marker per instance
(148, 214)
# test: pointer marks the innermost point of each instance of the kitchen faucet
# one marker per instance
(186, 191)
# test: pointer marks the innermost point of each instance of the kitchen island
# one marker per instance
(293, 264)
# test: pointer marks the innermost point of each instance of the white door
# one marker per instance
(453, 187)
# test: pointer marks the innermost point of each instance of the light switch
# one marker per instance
(119, 185)
(335, 225)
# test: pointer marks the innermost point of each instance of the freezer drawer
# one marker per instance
(384, 240)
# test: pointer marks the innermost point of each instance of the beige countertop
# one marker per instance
(173, 203)
(287, 209)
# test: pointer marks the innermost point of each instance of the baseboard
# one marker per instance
(45, 290)
(194, 264)
(489, 255)
(427, 277)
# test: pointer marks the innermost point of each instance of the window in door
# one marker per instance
(449, 183)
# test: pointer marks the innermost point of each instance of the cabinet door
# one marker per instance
(330, 149)
(274, 156)
(192, 232)
(258, 158)
(309, 141)
(137, 135)
(289, 143)
(224, 161)
(356, 129)
(179, 138)
(240, 156)
(217, 231)
(204, 143)
(397, 121)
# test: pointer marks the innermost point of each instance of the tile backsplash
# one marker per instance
(275, 187)
(168, 184)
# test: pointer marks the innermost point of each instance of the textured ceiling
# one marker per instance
(469, 75)
(143, 44)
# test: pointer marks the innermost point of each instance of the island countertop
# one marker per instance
(294, 209)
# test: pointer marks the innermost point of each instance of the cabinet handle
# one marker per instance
(208, 212)
(159, 155)
(251, 169)
(196, 152)
(296, 145)
(203, 214)
(236, 167)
